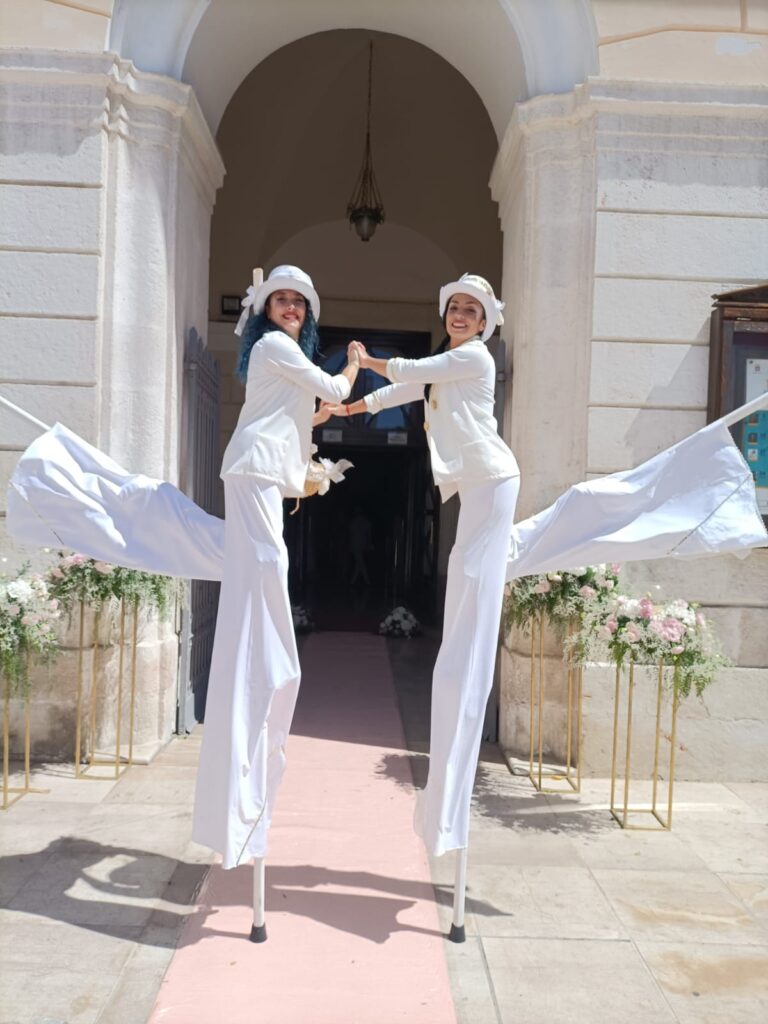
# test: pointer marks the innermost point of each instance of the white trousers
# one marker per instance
(254, 678)
(463, 674)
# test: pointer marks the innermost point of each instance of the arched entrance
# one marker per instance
(292, 155)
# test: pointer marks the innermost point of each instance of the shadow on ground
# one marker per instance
(67, 882)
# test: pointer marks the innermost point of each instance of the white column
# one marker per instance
(625, 207)
(108, 181)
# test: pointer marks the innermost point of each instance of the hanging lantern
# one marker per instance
(365, 209)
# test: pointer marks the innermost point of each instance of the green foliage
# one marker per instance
(28, 612)
(76, 578)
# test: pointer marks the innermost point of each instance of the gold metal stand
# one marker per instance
(117, 763)
(622, 812)
(13, 793)
(570, 775)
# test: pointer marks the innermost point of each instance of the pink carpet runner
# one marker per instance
(353, 930)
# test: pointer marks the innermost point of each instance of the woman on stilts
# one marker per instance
(469, 458)
(254, 677)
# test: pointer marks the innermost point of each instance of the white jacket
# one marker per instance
(273, 436)
(464, 442)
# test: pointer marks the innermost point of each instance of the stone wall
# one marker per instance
(677, 212)
(108, 181)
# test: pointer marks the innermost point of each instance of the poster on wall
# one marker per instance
(754, 443)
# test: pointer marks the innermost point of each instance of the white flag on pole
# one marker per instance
(695, 498)
(66, 493)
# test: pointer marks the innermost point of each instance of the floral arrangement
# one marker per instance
(28, 612)
(302, 620)
(560, 596)
(676, 633)
(77, 578)
(399, 622)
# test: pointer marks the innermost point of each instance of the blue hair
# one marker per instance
(259, 324)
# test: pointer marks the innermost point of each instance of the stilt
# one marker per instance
(259, 928)
(457, 933)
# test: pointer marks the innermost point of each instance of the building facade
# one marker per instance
(604, 164)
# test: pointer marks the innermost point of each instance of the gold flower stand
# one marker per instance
(115, 761)
(621, 809)
(544, 778)
(13, 793)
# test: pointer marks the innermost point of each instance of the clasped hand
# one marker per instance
(357, 353)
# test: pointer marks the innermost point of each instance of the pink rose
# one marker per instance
(609, 584)
(28, 620)
(53, 604)
(611, 625)
(543, 587)
(678, 649)
(56, 573)
(668, 629)
(587, 593)
(700, 619)
(646, 608)
(14, 609)
(632, 633)
(615, 568)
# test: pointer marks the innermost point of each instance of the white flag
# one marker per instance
(695, 498)
(64, 492)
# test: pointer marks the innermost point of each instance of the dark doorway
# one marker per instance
(370, 543)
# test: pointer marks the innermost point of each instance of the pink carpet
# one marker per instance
(352, 926)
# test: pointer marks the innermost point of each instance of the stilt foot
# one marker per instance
(457, 933)
(259, 933)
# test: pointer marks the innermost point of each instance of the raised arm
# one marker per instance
(383, 398)
(289, 361)
(458, 363)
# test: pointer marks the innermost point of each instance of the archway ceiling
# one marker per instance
(507, 49)
(292, 142)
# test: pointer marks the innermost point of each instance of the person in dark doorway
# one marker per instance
(469, 458)
(360, 543)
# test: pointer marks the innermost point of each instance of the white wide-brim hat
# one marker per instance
(478, 288)
(283, 277)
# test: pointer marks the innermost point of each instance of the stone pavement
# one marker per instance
(569, 917)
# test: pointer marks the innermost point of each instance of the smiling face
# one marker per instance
(287, 310)
(464, 318)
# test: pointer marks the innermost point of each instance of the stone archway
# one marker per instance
(292, 159)
(508, 50)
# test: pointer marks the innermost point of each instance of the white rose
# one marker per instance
(20, 591)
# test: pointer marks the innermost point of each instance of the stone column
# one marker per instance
(544, 182)
(625, 206)
(109, 178)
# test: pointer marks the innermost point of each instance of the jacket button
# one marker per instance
(434, 403)
(426, 425)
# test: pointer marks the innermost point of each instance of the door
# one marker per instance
(200, 481)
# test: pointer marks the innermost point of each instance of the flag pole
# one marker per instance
(259, 927)
(761, 402)
(457, 932)
(22, 412)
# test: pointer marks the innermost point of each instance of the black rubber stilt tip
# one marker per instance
(457, 933)
(258, 933)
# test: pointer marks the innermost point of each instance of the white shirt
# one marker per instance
(463, 437)
(273, 436)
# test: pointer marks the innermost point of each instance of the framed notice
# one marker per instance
(754, 433)
(738, 372)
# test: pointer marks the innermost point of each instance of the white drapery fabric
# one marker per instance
(253, 682)
(66, 493)
(695, 498)
(463, 674)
